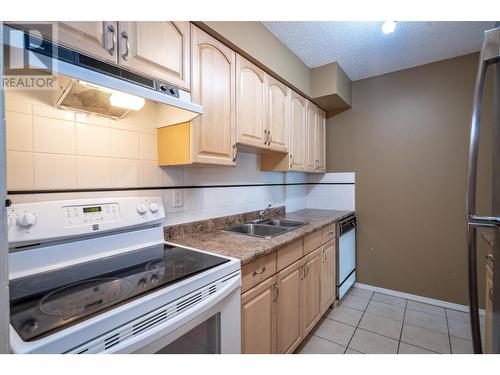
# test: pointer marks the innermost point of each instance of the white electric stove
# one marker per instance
(96, 276)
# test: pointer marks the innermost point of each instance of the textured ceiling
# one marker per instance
(364, 51)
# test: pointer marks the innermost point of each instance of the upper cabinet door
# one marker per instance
(320, 141)
(95, 39)
(311, 162)
(213, 86)
(277, 114)
(250, 104)
(158, 49)
(298, 132)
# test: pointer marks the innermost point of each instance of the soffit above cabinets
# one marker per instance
(362, 50)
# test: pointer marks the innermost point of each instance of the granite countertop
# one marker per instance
(247, 248)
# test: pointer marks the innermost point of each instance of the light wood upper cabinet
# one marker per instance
(250, 104)
(310, 140)
(158, 49)
(311, 290)
(213, 86)
(288, 308)
(96, 39)
(297, 132)
(320, 138)
(327, 275)
(277, 114)
(258, 318)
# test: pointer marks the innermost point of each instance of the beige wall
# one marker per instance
(406, 137)
(256, 40)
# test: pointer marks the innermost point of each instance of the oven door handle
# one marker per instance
(135, 343)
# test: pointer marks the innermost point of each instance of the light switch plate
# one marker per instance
(178, 201)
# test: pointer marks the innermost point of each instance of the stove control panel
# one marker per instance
(39, 222)
(84, 215)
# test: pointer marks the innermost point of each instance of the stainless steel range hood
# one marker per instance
(87, 85)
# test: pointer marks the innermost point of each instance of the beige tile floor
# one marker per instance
(376, 323)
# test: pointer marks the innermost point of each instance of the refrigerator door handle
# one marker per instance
(484, 221)
(490, 54)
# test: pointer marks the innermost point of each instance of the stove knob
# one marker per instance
(26, 220)
(142, 283)
(30, 326)
(141, 208)
(154, 207)
(154, 280)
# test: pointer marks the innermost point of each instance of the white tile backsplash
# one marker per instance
(92, 140)
(124, 144)
(19, 131)
(51, 148)
(55, 171)
(51, 135)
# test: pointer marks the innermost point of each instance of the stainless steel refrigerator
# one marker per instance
(489, 59)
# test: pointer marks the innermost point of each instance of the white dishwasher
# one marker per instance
(346, 255)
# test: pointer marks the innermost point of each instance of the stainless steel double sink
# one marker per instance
(265, 228)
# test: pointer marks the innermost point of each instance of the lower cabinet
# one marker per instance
(258, 318)
(288, 315)
(311, 284)
(327, 275)
(286, 293)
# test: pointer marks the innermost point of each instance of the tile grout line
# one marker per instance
(357, 325)
(448, 330)
(402, 326)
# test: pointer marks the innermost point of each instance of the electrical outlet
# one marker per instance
(178, 198)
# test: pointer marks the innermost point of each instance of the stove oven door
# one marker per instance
(204, 321)
(211, 326)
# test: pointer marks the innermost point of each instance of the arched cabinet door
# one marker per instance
(298, 134)
(250, 104)
(213, 86)
(277, 116)
(158, 49)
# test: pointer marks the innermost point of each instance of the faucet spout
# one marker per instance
(266, 211)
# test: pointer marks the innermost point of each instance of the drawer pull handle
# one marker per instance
(262, 270)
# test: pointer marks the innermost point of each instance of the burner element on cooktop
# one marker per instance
(85, 296)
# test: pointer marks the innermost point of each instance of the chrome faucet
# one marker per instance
(266, 211)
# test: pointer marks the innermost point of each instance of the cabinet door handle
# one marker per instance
(306, 270)
(235, 152)
(110, 30)
(125, 56)
(262, 270)
(291, 161)
(266, 136)
(276, 291)
(270, 137)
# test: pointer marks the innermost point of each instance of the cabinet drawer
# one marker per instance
(288, 254)
(328, 232)
(257, 271)
(312, 241)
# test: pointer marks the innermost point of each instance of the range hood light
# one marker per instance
(122, 100)
(118, 98)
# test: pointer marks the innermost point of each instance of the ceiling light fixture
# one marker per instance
(388, 27)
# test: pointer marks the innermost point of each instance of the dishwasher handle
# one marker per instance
(347, 225)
